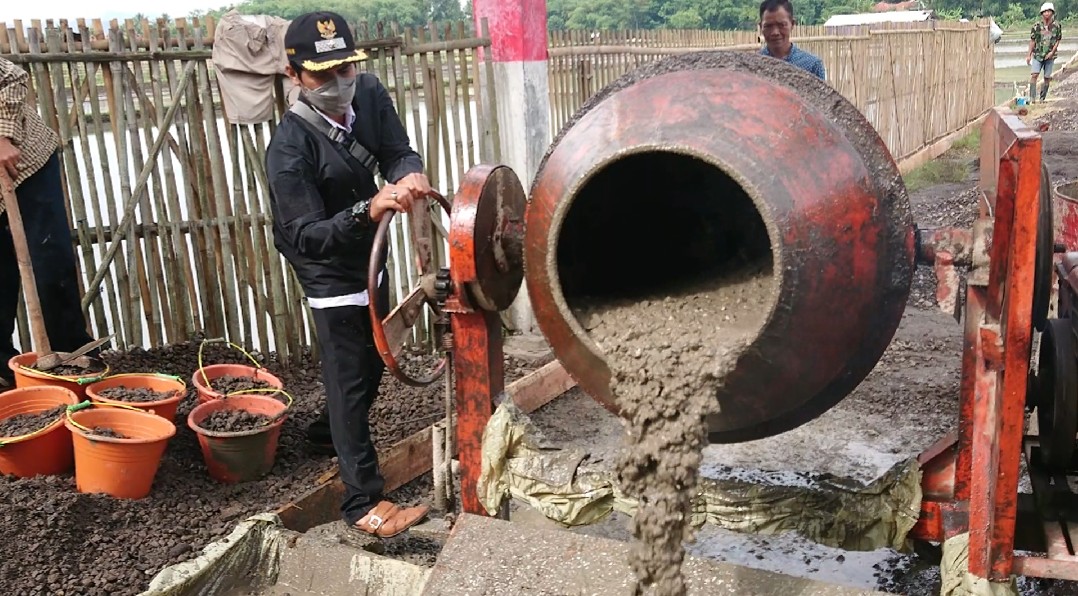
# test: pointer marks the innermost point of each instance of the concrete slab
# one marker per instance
(490, 557)
(315, 566)
(530, 347)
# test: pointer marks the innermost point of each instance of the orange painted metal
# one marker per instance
(478, 356)
(996, 351)
(484, 256)
(843, 240)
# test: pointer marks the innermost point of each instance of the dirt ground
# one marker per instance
(906, 403)
(54, 540)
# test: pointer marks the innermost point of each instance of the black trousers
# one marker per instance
(351, 373)
(41, 203)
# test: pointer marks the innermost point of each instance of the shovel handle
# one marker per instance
(26, 268)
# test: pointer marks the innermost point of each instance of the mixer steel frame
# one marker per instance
(970, 477)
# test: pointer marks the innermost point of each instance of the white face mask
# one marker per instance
(334, 96)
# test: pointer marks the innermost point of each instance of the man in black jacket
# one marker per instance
(326, 205)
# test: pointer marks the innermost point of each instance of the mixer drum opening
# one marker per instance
(637, 195)
(657, 223)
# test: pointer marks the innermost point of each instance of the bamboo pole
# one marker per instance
(140, 183)
(143, 250)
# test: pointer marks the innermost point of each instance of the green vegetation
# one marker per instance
(937, 171)
(969, 143)
(640, 14)
(951, 167)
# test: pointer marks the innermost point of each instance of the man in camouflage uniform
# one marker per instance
(28, 157)
(1043, 43)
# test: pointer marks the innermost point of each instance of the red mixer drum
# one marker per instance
(709, 160)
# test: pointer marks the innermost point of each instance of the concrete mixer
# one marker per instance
(702, 163)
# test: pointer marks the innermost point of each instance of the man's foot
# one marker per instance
(387, 520)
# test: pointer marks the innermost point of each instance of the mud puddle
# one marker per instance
(668, 355)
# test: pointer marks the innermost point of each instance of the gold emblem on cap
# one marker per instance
(327, 28)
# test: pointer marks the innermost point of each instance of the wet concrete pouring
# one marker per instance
(55, 540)
(665, 380)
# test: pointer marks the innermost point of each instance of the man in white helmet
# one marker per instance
(1043, 43)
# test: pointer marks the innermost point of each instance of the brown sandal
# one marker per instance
(387, 520)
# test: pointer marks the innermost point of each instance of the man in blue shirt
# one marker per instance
(776, 23)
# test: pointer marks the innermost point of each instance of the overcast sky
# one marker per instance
(71, 9)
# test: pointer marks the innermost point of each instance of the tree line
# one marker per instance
(640, 14)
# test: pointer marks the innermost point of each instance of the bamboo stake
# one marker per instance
(144, 175)
(88, 173)
(144, 250)
(176, 255)
(225, 236)
(192, 242)
(117, 308)
(280, 319)
(132, 296)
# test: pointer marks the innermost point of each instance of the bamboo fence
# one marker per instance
(169, 201)
(914, 82)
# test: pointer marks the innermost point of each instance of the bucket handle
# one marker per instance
(88, 404)
(29, 435)
(202, 367)
(158, 375)
(273, 420)
(76, 380)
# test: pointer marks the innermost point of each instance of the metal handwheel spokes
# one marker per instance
(391, 333)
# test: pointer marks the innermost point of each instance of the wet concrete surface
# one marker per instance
(492, 557)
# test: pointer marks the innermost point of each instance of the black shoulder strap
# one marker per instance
(359, 152)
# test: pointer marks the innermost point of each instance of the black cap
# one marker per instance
(320, 41)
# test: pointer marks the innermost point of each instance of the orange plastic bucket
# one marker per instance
(27, 377)
(204, 377)
(165, 408)
(45, 452)
(122, 468)
(244, 455)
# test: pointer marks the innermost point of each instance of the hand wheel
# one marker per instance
(391, 333)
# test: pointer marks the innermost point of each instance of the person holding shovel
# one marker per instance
(322, 161)
(1043, 43)
(28, 158)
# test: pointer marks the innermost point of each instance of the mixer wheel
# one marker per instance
(392, 333)
(1057, 402)
(1043, 271)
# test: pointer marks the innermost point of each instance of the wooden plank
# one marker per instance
(412, 457)
(539, 388)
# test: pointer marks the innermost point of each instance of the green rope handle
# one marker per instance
(202, 367)
(86, 404)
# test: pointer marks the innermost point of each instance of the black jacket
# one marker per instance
(314, 182)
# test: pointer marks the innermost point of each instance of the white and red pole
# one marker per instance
(518, 36)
